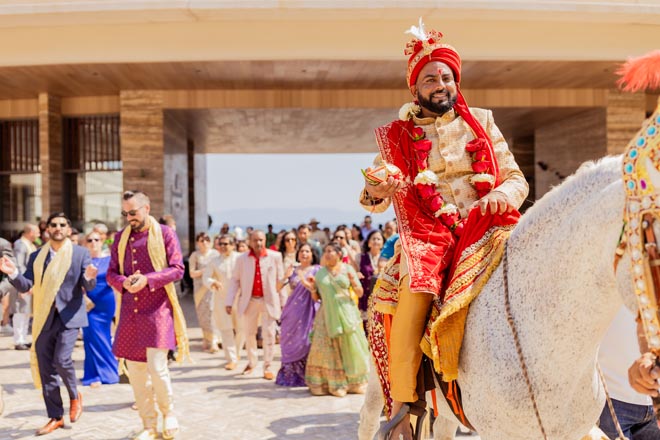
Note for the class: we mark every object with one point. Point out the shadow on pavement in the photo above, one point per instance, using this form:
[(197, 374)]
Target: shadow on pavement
[(317, 426)]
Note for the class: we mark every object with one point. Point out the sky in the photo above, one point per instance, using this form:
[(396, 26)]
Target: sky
[(287, 189)]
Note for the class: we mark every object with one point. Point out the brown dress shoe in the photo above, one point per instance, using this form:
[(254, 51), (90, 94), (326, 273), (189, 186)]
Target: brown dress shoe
[(230, 366), (76, 408), (51, 426), (248, 370)]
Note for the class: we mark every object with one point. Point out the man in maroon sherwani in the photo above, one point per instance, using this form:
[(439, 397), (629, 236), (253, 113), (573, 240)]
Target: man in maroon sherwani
[(146, 326)]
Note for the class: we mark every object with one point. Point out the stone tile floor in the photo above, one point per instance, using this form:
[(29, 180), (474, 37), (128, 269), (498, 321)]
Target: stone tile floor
[(211, 403)]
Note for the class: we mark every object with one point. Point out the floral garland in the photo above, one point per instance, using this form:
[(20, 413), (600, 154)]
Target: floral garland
[(426, 181)]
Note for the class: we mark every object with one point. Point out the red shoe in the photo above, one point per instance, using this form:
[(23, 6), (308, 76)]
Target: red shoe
[(76, 409), (51, 426)]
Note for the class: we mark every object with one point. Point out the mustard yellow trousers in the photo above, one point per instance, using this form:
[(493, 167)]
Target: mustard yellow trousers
[(408, 324)]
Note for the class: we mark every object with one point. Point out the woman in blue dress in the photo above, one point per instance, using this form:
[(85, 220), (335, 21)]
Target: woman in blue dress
[(100, 363)]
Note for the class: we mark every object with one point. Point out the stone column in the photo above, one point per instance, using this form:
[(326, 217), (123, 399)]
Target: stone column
[(523, 150), (142, 144), (50, 154), (624, 116), (199, 215), (561, 147)]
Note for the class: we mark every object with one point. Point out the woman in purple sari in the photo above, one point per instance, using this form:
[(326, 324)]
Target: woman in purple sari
[(297, 319), (369, 260)]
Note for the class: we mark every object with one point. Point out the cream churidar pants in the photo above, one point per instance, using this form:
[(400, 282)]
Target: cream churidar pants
[(148, 379), (225, 326)]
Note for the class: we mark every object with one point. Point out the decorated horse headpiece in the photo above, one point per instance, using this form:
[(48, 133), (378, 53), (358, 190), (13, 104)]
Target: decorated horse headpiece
[(641, 177)]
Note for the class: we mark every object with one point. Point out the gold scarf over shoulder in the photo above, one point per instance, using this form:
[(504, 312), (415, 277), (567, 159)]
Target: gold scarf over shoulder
[(45, 288), (158, 257)]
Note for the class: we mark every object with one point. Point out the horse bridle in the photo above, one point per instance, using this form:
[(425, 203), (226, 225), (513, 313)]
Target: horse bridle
[(650, 260)]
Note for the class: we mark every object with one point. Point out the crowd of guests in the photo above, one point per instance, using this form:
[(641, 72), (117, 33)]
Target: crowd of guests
[(316, 303), (307, 286), (310, 286)]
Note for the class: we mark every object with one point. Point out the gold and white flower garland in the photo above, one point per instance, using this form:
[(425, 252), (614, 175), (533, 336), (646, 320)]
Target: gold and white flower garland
[(426, 181)]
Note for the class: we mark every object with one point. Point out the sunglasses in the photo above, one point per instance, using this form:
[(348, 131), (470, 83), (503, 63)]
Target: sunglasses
[(132, 212), (223, 244), (289, 239), (91, 240), (55, 225)]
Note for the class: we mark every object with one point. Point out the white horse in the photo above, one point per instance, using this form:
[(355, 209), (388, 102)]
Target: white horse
[(564, 293)]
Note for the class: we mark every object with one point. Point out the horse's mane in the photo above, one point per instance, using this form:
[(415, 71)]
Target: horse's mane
[(591, 174)]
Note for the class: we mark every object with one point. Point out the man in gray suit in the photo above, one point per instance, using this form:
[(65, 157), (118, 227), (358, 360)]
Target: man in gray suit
[(21, 303), (58, 273)]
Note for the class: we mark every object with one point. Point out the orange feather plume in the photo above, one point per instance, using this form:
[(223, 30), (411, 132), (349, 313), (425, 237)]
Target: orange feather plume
[(642, 73)]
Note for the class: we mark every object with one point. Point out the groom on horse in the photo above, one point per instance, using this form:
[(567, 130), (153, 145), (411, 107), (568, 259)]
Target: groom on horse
[(448, 169)]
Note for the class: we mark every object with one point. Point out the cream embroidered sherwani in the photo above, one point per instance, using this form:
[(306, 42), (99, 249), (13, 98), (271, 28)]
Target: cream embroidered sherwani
[(448, 159)]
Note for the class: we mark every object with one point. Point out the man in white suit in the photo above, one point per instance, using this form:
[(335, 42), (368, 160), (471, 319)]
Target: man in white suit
[(255, 282)]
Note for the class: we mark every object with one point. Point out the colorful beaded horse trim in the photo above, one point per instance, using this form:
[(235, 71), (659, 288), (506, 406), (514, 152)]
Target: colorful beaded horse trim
[(641, 168)]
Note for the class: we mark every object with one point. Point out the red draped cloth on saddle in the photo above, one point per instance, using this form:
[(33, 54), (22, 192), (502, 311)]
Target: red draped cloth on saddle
[(432, 250)]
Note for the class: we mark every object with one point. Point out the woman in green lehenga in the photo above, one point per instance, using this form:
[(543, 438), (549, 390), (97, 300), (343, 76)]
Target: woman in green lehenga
[(338, 361)]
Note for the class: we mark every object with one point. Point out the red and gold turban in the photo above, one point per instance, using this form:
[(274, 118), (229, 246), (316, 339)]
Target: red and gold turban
[(423, 51)]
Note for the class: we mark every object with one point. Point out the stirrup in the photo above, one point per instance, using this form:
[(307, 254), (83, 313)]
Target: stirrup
[(420, 412), (385, 430)]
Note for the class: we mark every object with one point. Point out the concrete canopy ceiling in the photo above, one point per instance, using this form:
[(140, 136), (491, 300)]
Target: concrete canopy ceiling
[(108, 79)]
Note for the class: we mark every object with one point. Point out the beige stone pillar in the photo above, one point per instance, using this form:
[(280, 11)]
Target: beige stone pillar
[(50, 153), (523, 150), (142, 144), (624, 116), (561, 147)]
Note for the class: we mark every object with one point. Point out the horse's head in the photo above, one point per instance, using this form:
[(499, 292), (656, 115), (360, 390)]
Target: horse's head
[(641, 177)]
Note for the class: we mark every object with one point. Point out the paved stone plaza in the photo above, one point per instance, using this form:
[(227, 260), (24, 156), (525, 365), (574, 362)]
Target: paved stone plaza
[(211, 403)]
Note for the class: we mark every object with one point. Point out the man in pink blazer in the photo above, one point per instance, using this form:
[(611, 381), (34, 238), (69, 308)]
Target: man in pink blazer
[(255, 282)]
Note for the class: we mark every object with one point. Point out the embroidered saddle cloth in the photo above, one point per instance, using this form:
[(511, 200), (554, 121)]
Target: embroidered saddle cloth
[(471, 269)]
